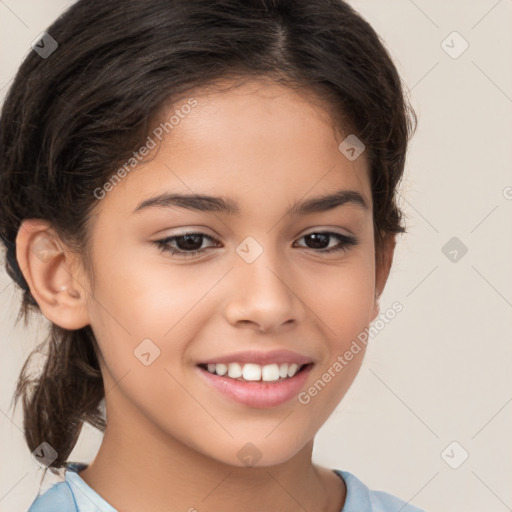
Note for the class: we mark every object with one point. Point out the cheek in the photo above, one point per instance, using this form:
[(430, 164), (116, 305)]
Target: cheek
[(147, 314), (145, 296), (343, 303), (343, 300)]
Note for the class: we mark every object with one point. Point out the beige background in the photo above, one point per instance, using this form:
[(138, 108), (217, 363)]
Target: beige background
[(440, 371)]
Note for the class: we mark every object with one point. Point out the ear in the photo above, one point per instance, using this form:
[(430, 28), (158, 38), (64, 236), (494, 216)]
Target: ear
[(382, 268), (48, 267)]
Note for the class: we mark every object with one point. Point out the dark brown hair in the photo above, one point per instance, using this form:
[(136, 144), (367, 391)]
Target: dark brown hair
[(69, 120)]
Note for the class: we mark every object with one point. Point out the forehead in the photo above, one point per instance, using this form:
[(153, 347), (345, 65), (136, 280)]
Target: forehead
[(258, 142)]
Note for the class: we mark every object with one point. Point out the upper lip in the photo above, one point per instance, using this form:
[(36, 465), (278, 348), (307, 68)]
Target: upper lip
[(261, 358)]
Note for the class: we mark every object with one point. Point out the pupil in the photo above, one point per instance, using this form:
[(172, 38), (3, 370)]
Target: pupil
[(190, 238), (319, 237)]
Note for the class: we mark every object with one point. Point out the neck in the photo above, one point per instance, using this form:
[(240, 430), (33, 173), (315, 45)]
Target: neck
[(175, 475)]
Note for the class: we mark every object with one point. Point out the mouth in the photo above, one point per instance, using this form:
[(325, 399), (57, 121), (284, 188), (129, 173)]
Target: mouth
[(253, 385), (252, 372)]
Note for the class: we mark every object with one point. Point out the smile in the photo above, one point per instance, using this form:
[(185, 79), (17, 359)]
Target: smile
[(255, 391), (254, 372)]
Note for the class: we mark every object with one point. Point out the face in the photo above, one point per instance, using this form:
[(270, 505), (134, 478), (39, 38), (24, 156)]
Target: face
[(261, 279)]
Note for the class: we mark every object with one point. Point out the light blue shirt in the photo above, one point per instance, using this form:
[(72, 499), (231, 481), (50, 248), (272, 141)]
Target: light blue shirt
[(74, 495)]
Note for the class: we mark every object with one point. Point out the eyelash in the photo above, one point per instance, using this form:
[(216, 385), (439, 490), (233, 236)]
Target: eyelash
[(345, 243)]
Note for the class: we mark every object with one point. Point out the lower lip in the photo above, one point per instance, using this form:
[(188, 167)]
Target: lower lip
[(258, 394)]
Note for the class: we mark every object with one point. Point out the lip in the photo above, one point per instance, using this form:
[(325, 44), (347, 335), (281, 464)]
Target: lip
[(261, 358), (257, 394)]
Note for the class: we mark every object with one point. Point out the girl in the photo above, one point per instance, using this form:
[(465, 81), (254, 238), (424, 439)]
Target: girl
[(201, 198)]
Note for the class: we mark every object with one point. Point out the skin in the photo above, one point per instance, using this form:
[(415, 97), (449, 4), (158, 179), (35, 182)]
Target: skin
[(170, 434)]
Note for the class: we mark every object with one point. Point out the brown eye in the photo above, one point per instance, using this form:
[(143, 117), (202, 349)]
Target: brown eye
[(188, 244), (320, 241)]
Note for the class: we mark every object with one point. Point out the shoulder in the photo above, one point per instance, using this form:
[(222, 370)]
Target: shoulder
[(70, 495), (57, 498), (362, 499)]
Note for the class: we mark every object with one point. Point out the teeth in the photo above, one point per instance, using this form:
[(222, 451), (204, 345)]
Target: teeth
[(220, 369), (251, 372), (270, 372), (255, 372), (234, 370), (292, 369)]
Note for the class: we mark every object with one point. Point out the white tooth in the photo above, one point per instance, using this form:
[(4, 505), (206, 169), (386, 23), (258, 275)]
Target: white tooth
[(283, 370), (292, 369), (270, 372), (220, 369), (211, 367), (234, 370), (252, 371)]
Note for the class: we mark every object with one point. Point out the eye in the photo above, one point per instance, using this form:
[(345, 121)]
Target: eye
[(321, 240), (188, 244)]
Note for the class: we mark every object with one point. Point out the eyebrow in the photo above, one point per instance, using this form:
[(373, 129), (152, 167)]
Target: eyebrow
[(205, 203)]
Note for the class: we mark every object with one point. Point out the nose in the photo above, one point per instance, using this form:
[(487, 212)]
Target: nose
[(262, 294)]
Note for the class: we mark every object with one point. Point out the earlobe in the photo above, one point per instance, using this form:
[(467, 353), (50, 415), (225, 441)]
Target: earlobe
[(47, 266)]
